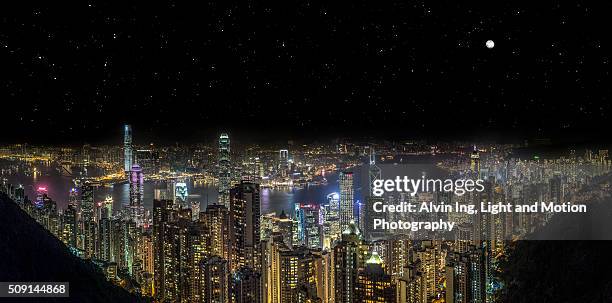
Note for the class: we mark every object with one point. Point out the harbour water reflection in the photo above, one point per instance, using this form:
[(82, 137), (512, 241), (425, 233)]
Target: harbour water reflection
[(272, 200)]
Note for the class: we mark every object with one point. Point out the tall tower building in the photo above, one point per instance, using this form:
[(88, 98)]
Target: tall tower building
[(73, 198), (246, 286), (225, 174), (127, 148), (349, 256), (69, 223), (245, 217), (429, 261), (215, 277), (87, 231), (181, 194), (367, 214), (373, 285), (283, 157), (475, 163), (87, 202), (162, 210), (346, 199), (216, 223), (106, 239), (298, 276), (331, 220), (136, 194), (309, 227), (270, 280), (195, 210), (465, 276), (181, 248)]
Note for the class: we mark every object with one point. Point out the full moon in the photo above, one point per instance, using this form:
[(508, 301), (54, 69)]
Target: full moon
[(490, 44)]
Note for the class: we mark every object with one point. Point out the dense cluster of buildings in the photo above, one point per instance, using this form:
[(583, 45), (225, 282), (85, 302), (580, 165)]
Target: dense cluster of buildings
[(319, 252)]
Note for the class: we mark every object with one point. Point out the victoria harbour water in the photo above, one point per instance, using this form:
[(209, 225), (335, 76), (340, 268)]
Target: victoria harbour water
[(272, 200)]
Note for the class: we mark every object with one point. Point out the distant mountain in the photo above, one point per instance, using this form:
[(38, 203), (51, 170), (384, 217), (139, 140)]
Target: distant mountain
[(28, 252)]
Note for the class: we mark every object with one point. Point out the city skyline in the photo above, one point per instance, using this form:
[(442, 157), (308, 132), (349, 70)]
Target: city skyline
[(348, 151), (164, 244)]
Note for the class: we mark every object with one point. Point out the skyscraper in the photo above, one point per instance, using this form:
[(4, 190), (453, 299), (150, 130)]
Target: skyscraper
[(366, 213), (475, 163), (215, 280), (88, 225), (127, 148), (346, 199), (309, 227), (106, 239), (331, 220), (373, 285), (283, 157), (245, 286), (216, 223), (195, 210), (136, 194), (465, 276), (73, 198), (180, 194), (245, 216), (297, 275), (69, 229), (87, 201), (349, 256), (225, 175), (161, 214)]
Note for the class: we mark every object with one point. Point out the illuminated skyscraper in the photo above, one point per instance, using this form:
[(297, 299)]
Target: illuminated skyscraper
[(465, 276), (41, 196), (309, 227), (127, 148), (87, 201), (331, 220), (107, 210), (475, 162), (349, 256), (270, 280), (225, 174), (283, 157), (146, 254), (245, 286), (73, 198), (216, 223), (245, 217), (346, 199), (136, 194), (69, 229), (195, 210), (197, 249), (366, 213), (181, 248), (333, 200), (395, 252), (215, 280), (148, 159), (161, 214), (180, 194), (88, 223), (429, 262), (106, 239), (373, 285), (272, 225), (297, 275)]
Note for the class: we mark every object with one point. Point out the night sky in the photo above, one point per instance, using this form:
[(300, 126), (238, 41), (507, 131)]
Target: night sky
[(76, 71)]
